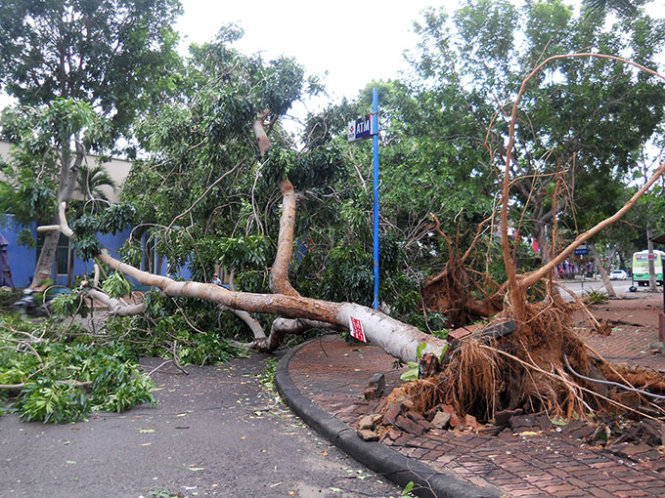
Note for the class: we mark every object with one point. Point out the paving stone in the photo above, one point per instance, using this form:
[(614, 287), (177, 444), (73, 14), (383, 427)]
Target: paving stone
[(599, 493), (503, 460), (441, 419), (391, 414), (368, 435), (407, 424)]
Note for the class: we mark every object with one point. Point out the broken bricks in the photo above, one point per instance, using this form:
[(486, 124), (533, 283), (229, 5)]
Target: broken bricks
[(377, 384), (368, 427)]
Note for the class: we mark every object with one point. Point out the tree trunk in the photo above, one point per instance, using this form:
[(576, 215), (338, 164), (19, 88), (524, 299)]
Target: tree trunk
[(603, 273), (652, 267), (68, 174), (44, 266), (394, 337)]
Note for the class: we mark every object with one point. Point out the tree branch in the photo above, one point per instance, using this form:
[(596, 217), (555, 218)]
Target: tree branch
[(279, 274)]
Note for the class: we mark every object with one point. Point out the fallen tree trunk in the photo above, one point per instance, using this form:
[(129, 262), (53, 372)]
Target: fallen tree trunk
[(396, 338)]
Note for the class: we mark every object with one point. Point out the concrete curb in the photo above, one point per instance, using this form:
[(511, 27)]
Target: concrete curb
[(377, 457)]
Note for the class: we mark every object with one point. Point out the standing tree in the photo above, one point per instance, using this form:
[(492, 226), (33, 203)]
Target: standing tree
[(117, 56), (570, 138)]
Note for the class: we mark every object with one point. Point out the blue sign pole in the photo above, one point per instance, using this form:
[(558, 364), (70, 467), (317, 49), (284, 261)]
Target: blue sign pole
[(375, 143)]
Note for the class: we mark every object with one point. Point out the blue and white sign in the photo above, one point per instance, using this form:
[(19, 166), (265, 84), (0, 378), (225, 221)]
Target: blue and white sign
[(360, 128), (582, 250)]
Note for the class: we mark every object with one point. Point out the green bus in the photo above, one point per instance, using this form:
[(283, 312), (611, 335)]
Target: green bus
[(641, 267)]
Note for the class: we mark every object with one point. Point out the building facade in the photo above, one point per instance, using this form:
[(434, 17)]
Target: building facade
[(67, 265)]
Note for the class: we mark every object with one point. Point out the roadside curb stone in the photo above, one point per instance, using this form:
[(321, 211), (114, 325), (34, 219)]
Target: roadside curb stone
[(377, 457), (331, 376)]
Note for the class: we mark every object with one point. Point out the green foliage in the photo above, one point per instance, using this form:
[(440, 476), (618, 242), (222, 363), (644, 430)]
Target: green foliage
[(348, 275), (407, 489), (595, 114), (441, 334), (69, 304), (132, 252), (164, 331), (267, 377), (90, 181), (47, 401), (64, 376), (412, 372), (116, 285), (204, 349), (116, 217), (7, 298), (104, 51), (595, 297)]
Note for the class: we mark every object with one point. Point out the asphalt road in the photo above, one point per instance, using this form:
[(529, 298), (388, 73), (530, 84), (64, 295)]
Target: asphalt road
[(214, 432), (580, 287)]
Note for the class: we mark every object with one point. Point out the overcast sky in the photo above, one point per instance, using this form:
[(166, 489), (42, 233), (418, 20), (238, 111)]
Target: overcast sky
[(354, 41)]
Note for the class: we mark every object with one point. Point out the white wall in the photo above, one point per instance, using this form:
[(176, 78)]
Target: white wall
[(118, 169)]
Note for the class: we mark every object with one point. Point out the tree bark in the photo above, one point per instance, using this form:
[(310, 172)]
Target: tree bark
[(279, 275), (652, 267), (603, 273), (44, 266), (394, 337), (116, 306), (68, 174)]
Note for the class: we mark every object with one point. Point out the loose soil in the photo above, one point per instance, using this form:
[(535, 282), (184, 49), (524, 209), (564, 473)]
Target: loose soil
[(629, 341)]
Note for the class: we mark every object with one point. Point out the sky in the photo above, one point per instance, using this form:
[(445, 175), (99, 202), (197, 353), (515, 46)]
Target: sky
[(353, 41)]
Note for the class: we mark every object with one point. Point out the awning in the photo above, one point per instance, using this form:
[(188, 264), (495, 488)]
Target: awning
[(659, 240)]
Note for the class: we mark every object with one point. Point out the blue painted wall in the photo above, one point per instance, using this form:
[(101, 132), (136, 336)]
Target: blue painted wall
[(111, 242), (21, 259)]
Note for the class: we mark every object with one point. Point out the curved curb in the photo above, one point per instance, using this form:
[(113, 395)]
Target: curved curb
[(377, 457)]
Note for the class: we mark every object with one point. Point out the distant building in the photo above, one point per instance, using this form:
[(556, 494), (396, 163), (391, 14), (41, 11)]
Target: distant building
[(22, 259)]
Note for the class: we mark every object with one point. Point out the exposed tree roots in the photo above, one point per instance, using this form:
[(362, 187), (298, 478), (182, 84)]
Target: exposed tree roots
[(450, 292), (542, 366)]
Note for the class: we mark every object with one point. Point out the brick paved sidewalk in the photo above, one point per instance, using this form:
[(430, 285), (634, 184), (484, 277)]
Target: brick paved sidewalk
[(520, 462), (634, 323)]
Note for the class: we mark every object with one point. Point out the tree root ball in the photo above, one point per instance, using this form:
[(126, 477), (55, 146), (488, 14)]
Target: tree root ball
[(539, 367)]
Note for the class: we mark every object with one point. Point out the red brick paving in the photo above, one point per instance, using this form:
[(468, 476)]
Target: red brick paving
[(334, 375), (635, 329)]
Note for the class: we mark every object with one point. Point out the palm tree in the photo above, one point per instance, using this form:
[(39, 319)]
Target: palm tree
[(91, 180)]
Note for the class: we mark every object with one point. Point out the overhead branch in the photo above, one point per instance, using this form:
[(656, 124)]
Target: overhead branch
[(260, 132), (62, 226), (279, 274), (204, 194), (282, 327), (116, 306), (536, 275), (437, 228), (518, 286)]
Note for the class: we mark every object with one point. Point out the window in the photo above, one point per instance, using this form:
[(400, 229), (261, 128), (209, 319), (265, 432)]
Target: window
[(61, 253)]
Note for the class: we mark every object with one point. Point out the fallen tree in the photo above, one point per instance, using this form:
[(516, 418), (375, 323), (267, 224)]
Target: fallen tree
[(299, 314), (542, 364), (531, 367)]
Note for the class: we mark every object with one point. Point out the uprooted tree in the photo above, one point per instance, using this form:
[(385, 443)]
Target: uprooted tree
[(535, 366), (205, 202)]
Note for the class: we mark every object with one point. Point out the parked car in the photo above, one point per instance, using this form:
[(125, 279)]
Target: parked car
[(618, 275)]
